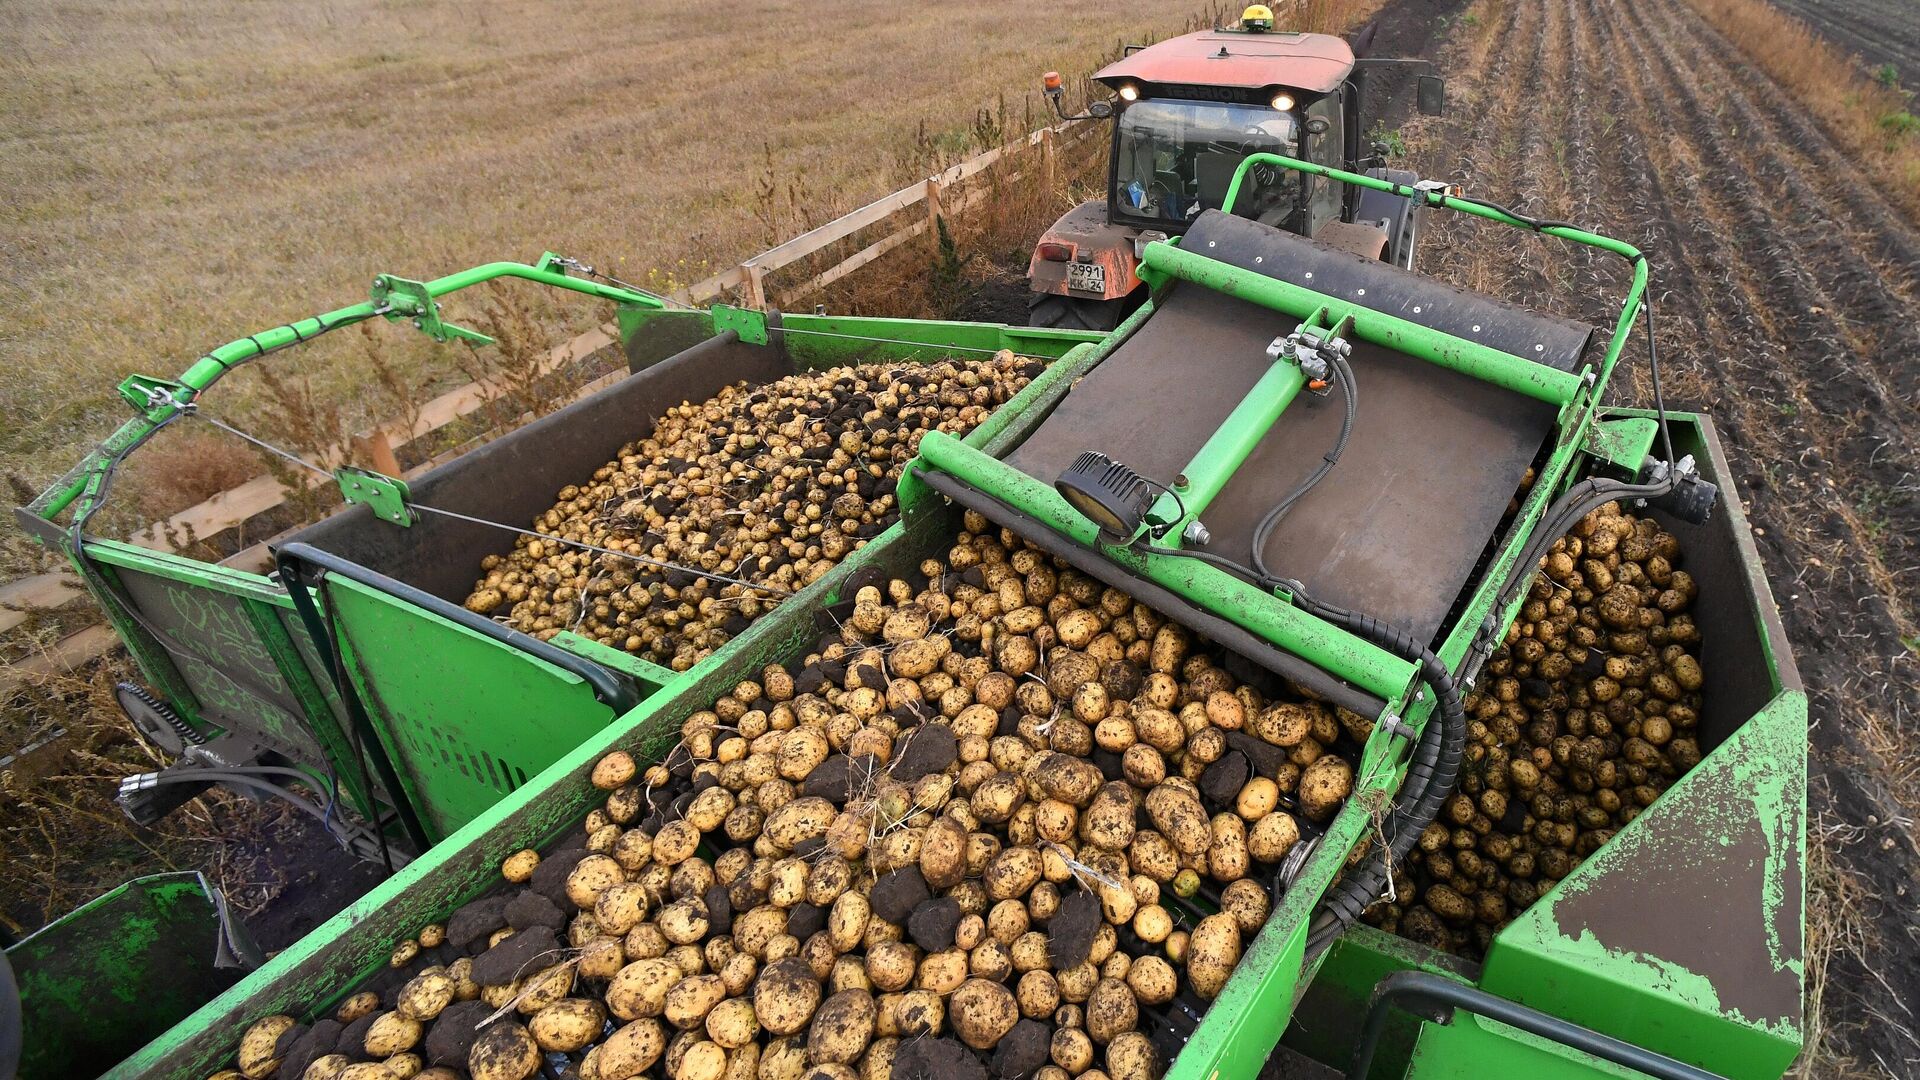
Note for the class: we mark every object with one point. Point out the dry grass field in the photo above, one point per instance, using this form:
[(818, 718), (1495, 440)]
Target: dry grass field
[(178, 174)]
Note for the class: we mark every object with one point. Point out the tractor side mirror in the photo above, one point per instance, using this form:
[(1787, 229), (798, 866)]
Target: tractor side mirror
[(1432, 95), (1099, 110)]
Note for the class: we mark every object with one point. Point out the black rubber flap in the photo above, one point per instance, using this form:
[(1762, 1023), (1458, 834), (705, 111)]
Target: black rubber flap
[(1415, 297), (1395, 530)]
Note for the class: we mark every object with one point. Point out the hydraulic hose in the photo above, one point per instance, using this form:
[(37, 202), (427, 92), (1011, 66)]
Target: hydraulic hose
[(1350, 394), (1431, 775)]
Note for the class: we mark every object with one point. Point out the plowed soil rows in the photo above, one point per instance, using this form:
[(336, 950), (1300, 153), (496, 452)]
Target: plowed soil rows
[(1881, 31), (1786, 299)]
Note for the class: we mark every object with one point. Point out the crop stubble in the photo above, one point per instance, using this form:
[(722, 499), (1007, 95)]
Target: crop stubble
[(1786, 295)]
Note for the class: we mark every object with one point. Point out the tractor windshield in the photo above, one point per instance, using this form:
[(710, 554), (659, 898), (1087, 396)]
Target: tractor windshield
[(1174, 159)]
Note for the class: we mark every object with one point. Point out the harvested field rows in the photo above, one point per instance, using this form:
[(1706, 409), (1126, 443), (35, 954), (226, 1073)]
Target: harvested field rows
[(1786, 309), (1881, 31)]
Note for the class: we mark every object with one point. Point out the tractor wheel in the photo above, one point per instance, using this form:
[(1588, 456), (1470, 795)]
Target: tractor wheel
[(1074, 313)]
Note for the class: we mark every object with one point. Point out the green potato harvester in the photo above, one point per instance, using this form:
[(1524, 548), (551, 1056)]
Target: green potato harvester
[(1339, 471)]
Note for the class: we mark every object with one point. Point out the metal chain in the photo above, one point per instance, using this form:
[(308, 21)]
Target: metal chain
[(190, 409)]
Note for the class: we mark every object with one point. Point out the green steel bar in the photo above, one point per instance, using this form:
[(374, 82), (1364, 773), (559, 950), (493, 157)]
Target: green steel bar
[(1227, 448), (1334, 650), (208, 369), (1467, 357), (1629, 306)]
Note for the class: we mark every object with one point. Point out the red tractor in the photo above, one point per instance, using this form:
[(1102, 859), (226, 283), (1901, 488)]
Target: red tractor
[(1186, 112)]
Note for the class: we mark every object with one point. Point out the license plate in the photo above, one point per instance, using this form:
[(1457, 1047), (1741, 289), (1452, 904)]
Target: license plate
[(1087, 277)]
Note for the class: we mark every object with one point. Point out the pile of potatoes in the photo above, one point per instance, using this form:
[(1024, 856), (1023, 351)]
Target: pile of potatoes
[(1002, 821), (1588, 712), (772, 484)]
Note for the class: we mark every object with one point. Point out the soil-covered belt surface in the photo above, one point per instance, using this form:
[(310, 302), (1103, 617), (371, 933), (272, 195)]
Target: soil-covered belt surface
[(1786, 310)]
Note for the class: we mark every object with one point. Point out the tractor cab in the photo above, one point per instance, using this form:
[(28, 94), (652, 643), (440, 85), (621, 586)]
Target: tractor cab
[(1186, 113)]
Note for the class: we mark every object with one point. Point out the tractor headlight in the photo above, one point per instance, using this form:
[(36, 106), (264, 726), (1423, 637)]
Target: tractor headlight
[(1283, 102), (1129, 92)]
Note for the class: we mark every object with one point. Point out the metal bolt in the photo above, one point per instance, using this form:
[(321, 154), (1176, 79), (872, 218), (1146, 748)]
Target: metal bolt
[(1195, 534)]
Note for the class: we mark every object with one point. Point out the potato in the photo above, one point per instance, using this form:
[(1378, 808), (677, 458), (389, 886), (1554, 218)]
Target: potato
[(943, 972), (731, 1024), (690, 999), (1177, 813), (683, 921), (568, 1025), (639, 990), (613, 770), (504, 1051), (630, 1051), (1072, 1050), (982, 1012), (425, 995), (391, 1034), (1153, 855), (784, 1059), (675, 843), (798, 821), (1110, 1011), (1247, 902), (841, 1029), (367, 1070), (1153, 980), (590, 877), (328, 1067), (1227, 853), (1324, 784), (785, 996), (519, 866), (544, 988), (1211, 953), (1037, 994), (701, 1061), (1130, 1056), (1012, 873), (258, 1046), (1273, 836), (1109, 820), (361, 1004)]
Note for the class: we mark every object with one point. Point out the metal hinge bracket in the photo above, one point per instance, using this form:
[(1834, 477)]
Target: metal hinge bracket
[(751, 325), (402, 298), (387, 497)]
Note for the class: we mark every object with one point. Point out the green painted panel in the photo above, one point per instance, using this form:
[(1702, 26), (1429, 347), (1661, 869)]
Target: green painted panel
[(1475, 1048), (465, 719), (116, 972), (1328, 1018), (1685, 933), (216, 646)]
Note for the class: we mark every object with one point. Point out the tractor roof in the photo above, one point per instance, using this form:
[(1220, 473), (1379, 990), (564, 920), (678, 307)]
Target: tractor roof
[(1315, 63)]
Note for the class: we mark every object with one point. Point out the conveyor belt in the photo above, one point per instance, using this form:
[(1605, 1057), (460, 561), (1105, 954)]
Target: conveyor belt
[(1394, 531)]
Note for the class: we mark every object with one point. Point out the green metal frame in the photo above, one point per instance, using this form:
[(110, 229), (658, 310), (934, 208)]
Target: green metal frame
[(1266, 992), (234, 646)]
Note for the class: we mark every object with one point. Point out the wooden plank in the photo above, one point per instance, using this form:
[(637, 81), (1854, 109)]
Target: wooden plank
[(62, 656), (53, 590), (878, 248)]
